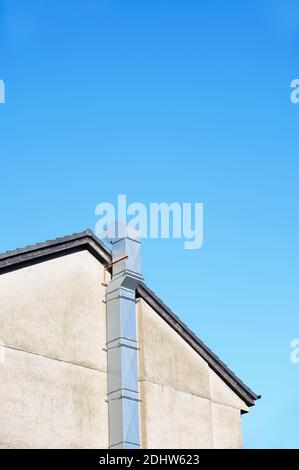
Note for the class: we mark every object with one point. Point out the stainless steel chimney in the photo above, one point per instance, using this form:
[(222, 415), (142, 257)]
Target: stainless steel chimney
[(123, 396)]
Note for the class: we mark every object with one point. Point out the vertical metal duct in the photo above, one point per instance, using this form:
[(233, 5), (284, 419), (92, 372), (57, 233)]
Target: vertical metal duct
[(123, 401)]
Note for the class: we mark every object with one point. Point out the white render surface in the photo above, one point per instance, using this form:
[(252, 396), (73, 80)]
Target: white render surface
[(53, 367), (184, 404)]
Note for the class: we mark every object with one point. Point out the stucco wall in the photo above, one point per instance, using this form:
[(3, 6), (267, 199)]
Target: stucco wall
[(53, 381), (184, 404)]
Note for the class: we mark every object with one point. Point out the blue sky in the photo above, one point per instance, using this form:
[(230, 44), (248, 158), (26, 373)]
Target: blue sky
[(169, 101)]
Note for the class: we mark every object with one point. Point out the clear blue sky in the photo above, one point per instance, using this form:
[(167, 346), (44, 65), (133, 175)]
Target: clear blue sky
[(178, 100)]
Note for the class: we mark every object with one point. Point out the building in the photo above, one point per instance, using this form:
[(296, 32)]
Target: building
[(54, 380)]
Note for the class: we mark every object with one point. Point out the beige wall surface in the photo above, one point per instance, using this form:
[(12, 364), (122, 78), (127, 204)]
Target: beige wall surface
[(53, 380), (47, 403), (184, 404), (55, 308), (173, 419), (226, 427)]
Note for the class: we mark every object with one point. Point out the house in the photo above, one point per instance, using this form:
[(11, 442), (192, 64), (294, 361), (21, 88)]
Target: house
[(70, 348)]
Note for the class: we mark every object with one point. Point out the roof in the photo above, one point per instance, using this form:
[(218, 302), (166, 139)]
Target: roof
[(21, 257)]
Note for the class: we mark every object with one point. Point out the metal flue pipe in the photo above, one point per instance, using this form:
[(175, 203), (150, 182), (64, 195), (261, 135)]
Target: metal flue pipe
[(123, 395)]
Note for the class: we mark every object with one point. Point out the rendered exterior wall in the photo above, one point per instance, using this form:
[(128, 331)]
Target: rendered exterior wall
[(184, 404), (53, 382)]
